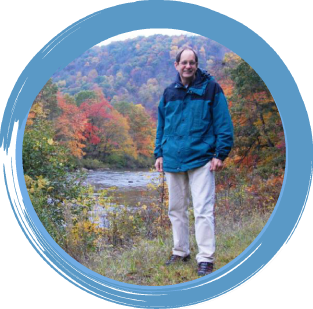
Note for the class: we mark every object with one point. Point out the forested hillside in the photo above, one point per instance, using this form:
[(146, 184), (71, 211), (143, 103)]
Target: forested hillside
[(102, 106), (135, 70)]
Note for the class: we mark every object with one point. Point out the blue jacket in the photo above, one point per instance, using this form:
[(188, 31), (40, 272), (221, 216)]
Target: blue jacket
[(194, 124)]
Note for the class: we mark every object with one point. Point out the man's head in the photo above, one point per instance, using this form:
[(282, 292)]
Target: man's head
[(186, 64), (178, 56)]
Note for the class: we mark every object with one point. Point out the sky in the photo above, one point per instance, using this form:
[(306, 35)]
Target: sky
[(144, 32)]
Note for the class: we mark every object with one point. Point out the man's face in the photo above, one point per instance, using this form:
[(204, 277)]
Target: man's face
[(187, 66)]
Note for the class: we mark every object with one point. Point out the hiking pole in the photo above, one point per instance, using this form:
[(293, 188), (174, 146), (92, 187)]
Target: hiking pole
[(162, 197), (162, 188)]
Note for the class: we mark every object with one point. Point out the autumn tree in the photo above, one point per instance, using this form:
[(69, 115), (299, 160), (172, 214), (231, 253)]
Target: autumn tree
[(142, 127), (71, 125), (150, 93), (45, 161), (83, 96), (97, 110), (48, 98), (115, 140), (258, 126)]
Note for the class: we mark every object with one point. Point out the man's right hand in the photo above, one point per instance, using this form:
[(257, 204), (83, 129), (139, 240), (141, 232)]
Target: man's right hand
[(159, 164)]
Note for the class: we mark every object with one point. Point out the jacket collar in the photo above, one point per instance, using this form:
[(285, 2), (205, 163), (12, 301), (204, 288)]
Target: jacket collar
[(198, 85)]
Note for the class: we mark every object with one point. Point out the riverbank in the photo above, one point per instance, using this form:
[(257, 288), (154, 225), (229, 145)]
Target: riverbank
[(131, 164), (143, 262), (128, 189)]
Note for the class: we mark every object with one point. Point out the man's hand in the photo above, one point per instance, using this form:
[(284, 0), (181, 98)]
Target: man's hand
[(216, 164), (159, 164)]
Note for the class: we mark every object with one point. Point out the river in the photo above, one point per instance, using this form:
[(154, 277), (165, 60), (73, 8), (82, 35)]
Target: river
[(130, 188)]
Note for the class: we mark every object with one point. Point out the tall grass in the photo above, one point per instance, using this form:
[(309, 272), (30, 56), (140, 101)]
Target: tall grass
[(143, 262), (141, 258), (135, 244)]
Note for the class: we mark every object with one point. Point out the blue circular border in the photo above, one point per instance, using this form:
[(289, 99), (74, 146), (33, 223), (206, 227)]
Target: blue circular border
[(87, 32)]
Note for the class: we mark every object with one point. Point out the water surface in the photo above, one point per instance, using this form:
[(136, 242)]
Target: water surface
[(130, 189)]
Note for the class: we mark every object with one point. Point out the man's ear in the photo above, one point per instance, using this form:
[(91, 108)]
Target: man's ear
[(175, 64)]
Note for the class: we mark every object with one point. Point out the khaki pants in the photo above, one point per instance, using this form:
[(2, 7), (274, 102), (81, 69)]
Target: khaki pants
[(202, 184)]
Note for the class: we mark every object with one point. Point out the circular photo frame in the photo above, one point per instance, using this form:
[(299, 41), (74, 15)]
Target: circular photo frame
[(82, 35)]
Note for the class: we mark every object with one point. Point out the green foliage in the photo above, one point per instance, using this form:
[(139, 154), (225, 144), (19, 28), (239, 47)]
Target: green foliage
[(49, 210), (48, 97), (46, 164), (123, 107), (128, 223), (116, 160), (129, 162), (42, 156), (82, 96), (246, 80), (89, 164), (141, 162)]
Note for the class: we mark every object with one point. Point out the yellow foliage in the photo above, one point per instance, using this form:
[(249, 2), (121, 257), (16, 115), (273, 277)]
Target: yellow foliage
[(50, 141), (36, 111), (37, 186), (29, 181), (231, 58)]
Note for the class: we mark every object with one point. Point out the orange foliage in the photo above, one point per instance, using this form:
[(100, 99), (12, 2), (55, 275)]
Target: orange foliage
[(249, 161), (31, 116), (71, 126), (227, 86), (115, 137), (143, 131), (260, 97), (264, 193)]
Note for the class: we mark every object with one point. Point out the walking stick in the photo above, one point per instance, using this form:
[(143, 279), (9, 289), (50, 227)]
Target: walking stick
[(162, 197)]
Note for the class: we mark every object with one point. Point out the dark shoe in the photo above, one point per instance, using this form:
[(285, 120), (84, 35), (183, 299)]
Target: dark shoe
[(176, 258), (205, 268)]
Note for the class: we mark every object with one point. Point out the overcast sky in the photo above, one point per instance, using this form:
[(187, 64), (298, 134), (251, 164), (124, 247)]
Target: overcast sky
[(144, 32)]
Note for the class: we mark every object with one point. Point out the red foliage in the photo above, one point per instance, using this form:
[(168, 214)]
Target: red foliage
[(97, 111), (71, 126)]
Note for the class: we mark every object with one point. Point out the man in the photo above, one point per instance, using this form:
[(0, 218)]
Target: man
[(194, 136)]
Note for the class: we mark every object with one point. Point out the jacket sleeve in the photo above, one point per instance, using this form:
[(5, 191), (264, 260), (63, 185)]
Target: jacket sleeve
[(222, 125), (160, 129)]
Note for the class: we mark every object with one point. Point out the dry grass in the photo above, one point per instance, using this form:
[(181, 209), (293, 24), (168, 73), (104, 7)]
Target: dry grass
[(143, 263)]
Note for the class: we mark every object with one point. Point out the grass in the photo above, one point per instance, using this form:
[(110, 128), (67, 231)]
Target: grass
[(143, 263)]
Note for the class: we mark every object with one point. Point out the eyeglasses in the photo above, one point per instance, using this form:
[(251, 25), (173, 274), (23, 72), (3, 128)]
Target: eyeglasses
[(191, 63)]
